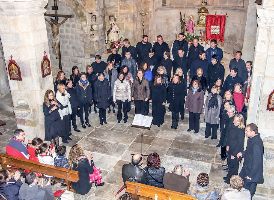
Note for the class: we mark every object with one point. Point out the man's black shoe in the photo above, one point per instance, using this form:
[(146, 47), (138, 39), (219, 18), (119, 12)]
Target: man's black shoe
[(84, 126), (88, 124), (77, 130)]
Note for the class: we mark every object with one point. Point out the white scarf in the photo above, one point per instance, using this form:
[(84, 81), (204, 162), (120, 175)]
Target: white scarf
[(64, 100)]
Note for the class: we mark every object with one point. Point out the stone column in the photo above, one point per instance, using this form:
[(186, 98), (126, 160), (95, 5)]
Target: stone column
[(262, 85), (23, 34), (250, 31)]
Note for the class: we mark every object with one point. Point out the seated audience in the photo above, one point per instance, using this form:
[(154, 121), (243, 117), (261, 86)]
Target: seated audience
[(16, 146), (201, 190), (133, 171), (236, 190), (46, 155), (9, 185), (177, 180), (154, 173), (32, 148), (31, 190), (84, 165), (60, 160)]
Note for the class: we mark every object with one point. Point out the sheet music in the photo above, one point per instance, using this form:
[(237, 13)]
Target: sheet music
[(142, 120)]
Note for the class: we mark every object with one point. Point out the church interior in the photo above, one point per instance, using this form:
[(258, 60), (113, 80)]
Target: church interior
[(60, 34)]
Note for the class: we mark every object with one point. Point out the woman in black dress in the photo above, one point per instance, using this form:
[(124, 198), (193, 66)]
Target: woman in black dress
[(102, 96), (234, 145), (53, 125), (183, 81), (158, 96)]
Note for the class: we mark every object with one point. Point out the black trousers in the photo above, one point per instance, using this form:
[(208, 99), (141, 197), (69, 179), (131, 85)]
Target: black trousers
[(111, 103), (73, 117), (233, 166), (102, 115), (251, 186), (122, 106), (66, 127), (158, 113), (182, 109), (141, 107), (223, 152), (84, 109), (194, 121), (211, 130), (175, 119)]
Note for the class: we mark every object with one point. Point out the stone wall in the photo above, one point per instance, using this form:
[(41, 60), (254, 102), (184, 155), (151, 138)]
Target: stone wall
[(4, 84), (165, 19), (78, 44)]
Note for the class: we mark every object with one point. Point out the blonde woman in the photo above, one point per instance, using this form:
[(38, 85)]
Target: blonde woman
[(234, 145), (53, 124), (83, 163), (161, 71)]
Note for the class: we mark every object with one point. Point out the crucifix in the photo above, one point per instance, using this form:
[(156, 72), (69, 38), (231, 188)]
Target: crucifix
[(55, 25)]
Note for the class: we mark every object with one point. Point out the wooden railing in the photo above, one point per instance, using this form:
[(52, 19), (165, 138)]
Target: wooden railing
[(68, 175), (141, 191)]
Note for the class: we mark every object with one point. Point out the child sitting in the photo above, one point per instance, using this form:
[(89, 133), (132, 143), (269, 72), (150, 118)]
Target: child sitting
[(45, 154), (32, 147), (239, 98), (60, 160)]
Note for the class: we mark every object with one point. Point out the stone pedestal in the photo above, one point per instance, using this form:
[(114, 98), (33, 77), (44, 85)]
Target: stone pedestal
[(23, 34), (262, 86)]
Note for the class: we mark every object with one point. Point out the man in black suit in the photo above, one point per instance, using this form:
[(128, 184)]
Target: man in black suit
[(132, 171), (252, 171)]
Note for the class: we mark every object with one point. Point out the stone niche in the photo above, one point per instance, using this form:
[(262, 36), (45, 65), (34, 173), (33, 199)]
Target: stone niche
[(76, 40), (168, 16)]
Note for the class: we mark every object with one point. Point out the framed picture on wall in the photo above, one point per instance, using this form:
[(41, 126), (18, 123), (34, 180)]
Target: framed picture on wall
[(45, 66), (14, 70)]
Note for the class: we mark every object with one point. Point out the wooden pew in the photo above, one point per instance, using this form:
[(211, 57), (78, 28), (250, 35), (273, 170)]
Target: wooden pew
[(58, 172), (142, 191)]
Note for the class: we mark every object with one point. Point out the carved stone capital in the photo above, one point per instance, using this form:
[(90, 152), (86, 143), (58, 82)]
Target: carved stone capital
[(22, 7), (265, 16)]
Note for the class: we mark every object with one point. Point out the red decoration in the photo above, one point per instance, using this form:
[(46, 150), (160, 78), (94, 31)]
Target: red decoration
[(215, 27), (45, 66), (14, 70)]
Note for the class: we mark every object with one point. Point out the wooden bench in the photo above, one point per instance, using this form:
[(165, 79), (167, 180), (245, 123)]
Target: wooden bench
[(58, 172), (141, 191)]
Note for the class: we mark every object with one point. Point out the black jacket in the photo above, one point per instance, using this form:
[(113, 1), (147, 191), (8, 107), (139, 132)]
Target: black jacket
[(230, 82), (84, 95), (240, 65), (179, 45), (99, 67), (158, 93), (133, 173), (142, 50), (197, 64), (168, 64), (202, 81), (193, 53), (102, 93), (74, 102), (159, 50), (75, 79), (235, 140), (116, 57), (55, 84), (132, 51), (84, 168), (253, 160), (176, 96), (154, 176), (215, 72), (182, 63)]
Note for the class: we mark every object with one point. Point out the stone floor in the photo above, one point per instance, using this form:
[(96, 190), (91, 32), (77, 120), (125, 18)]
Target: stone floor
[(113, 144)]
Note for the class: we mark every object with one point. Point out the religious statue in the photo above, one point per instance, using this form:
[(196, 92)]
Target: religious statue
[(183, 23), (14, 70), (190, 25), (55, 35), (45, 66), (270, 102), (113, 31)]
